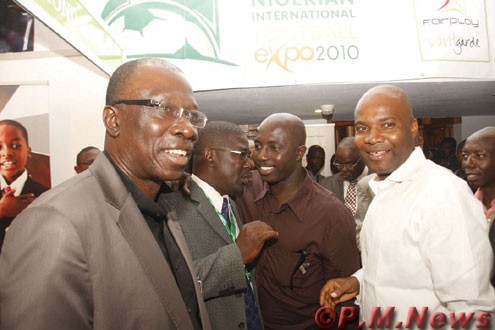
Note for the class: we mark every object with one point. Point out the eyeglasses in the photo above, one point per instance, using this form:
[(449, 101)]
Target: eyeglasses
[(196, 118), (243, 154), (348, 165)]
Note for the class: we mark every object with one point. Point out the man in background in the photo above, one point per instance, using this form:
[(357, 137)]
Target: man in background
[(86, 157), (249, 167), (103, 250), (478, 163), (448, 156), (315, 160), (18, 188), (222, 248), (351, 170), (424, 238), (316, 238)]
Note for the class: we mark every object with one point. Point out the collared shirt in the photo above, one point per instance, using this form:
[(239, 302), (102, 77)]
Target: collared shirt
[(17, 184), (424, 244), (316, 242), (216, 200), (155, 214), (489, 212)]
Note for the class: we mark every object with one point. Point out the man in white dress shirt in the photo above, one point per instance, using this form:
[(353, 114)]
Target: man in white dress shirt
[(424, 239)]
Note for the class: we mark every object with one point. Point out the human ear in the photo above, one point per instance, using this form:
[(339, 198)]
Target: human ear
[(414, 129), (111, 120), (301, 150), (210, 156)]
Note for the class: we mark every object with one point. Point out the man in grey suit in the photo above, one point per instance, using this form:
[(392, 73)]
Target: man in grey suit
[(221, 246), (102, 250), (345, 183)]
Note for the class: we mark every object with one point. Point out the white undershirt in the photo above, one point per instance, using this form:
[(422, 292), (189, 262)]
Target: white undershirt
[(17, 184)]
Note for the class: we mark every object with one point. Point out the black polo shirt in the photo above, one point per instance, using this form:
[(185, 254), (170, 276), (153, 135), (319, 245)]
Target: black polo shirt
[(155, 213)]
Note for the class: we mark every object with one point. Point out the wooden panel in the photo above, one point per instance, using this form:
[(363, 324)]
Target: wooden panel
[(38, 167)]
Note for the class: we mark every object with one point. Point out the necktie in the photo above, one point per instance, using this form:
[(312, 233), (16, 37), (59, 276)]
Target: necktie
[(252, 316), (350, 197), (225, 211)]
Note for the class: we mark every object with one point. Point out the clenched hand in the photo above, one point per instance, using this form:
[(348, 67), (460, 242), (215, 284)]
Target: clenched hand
[(251, 238)]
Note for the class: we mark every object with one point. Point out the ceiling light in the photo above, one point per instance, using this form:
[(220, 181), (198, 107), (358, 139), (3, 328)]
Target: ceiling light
[(326, 111)]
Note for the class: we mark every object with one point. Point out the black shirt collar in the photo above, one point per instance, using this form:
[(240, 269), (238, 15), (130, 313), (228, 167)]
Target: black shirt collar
[(158, 208)]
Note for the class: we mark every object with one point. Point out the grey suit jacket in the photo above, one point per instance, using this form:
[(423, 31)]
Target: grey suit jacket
[(83, 257), (217, 259), (335, 184), (364, 195)]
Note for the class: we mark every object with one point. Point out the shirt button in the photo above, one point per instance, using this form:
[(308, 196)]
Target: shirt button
[(241, 325), (189, 310)]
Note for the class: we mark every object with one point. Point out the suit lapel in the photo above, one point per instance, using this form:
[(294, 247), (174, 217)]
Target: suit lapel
[(146, 249), (341, 188), (208, 212), (176, 231)]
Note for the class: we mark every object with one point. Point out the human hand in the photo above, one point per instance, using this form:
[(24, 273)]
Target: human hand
[(339, 290), (251, 238), (11, 205)]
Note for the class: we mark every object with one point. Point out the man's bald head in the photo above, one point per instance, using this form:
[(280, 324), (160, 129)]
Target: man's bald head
[(288, 123)]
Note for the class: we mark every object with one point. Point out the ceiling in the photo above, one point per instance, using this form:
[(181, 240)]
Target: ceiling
[(430, 99)]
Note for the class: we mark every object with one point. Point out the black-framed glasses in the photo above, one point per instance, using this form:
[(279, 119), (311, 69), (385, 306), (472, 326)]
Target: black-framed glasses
[(244, 155), (196, 118), (348, 165)]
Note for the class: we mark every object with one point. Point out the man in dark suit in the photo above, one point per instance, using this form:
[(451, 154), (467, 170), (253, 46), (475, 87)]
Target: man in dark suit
[(221, 246), (18, 188), (102, 250)]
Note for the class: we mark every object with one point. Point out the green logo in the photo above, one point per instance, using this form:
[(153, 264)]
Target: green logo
[(186, 29)]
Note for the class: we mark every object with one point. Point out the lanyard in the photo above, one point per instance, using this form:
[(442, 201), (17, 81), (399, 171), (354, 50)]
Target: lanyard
[(230, 229)]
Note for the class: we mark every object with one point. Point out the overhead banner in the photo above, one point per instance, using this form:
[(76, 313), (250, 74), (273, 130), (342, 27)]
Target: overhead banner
[(79, 27), (228, 44)]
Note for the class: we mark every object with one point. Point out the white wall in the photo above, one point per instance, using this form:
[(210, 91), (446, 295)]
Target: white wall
[(323, 135), (73, 97), (471, 124)]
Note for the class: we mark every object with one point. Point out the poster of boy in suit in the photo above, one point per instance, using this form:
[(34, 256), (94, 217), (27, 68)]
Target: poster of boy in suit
[(18, 187)]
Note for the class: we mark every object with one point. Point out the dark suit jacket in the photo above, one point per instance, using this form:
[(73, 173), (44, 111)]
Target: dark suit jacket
[(217, 259), (31, 186), (83, 257)]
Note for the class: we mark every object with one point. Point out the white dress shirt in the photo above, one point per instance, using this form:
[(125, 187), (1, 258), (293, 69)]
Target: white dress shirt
[(424, 244), (17, 184), (215, 199)]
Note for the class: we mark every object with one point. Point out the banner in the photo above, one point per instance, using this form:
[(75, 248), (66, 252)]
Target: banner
[(248, 43), (79, 27)]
